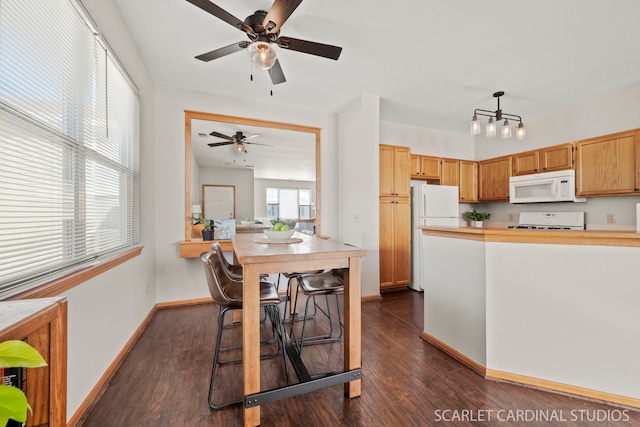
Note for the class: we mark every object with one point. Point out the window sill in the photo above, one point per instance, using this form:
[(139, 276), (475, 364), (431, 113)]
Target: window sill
[(58, 286)]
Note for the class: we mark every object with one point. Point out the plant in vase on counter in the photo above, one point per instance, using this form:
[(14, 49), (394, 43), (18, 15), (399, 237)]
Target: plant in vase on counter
[(475, 218)]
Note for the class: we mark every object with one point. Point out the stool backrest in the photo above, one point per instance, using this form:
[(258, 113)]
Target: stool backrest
[(216, 278), (215, 246)]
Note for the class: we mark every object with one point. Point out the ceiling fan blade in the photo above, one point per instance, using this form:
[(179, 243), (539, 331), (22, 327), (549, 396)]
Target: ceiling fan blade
[(276, 74), (223, 51), (219, 135), (218, 12), (278, 14), (313, 48), (251, 136), (258, 143), (220, 144)]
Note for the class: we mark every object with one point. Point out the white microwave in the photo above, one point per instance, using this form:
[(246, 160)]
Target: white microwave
[(559, 186)]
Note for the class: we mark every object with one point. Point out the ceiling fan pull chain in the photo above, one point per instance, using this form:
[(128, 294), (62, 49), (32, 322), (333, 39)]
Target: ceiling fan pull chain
[(251, 68), (271, 89)]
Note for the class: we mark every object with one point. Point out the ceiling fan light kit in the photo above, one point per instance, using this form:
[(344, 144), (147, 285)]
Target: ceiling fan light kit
[(505, 131), (263, 29)]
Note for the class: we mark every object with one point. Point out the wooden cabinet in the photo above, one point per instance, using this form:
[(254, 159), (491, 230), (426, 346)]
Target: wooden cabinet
[(395, 243), (394, 171), (548, 159), (450, 172), (43, 322), (608, 165), (493, 176), (425, 167), (395, 217), (464, 175), (468, 181)]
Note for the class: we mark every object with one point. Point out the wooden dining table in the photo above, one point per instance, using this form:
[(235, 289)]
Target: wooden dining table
[(259, 257)]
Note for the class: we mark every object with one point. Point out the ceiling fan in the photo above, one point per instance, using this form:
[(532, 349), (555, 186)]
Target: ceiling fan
[(238, 138), (263, 30)]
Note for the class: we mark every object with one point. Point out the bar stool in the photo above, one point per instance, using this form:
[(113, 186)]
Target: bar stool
[(227, 293), (327, 283)]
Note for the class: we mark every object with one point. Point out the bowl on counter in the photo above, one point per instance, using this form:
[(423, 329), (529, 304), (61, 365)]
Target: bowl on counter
[(279, 235), (247, 222)]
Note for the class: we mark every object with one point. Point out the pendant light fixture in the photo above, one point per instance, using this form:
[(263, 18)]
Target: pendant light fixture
[(505, 131)]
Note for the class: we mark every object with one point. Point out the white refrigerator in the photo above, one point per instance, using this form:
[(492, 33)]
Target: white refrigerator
[(430, 205)]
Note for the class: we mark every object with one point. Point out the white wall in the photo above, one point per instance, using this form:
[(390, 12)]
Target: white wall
[(178, 278), (430, 142), (565, 313), (105, 311), (358, 172)]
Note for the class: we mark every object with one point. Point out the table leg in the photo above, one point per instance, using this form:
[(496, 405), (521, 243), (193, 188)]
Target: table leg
[(251, 339), (352, 324)]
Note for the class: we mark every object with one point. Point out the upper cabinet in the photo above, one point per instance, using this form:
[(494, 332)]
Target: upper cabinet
[(557, 157), (425, 167), (493, 176), (464, 175), (468, 181), (608, 165), (394, 171)]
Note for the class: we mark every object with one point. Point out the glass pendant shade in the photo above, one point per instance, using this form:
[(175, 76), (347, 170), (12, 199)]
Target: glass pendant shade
[(475, 125), (506, 130), (262, 54), (521, 132), (240, 148), (491, 128)]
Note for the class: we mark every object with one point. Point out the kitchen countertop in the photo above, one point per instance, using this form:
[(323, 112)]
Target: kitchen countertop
[(518, 235)]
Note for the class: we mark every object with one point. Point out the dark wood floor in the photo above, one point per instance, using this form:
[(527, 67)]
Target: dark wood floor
[(406, 381)]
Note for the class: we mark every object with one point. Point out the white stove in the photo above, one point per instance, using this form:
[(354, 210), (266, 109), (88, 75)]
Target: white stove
[(551, 221)]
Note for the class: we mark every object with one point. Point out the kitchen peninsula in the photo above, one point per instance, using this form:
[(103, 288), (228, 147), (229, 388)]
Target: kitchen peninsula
[(552, 309)]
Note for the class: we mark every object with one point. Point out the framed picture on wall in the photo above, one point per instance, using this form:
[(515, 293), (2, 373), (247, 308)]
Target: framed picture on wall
[(219, 201)]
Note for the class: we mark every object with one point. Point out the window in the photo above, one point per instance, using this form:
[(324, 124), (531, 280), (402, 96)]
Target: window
[(69, 144), (289, 203)]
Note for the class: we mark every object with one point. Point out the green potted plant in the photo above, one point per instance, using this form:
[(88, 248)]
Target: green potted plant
[(207, 230), (475, 218), (13, 402)]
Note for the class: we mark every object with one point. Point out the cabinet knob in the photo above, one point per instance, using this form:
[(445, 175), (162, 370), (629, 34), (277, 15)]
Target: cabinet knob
[(636, 189)]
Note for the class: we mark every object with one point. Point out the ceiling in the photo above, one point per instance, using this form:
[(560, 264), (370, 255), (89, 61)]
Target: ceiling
[(431, 62)]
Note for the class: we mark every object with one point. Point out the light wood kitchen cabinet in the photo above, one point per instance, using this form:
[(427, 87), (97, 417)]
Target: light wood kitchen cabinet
[(394, 171), (468, 188), (395, 243), (608, 165), (395, 217), (425, 167), (547, 159), (464, 175), (450, 172), (493, 176)]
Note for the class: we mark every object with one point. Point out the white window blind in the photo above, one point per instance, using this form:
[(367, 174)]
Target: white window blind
[(69, 144)]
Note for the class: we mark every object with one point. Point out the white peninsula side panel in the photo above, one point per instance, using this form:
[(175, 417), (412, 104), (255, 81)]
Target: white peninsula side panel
[(453, 276), (565, 313)]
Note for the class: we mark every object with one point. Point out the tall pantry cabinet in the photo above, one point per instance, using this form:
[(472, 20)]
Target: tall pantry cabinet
[(395, 217)]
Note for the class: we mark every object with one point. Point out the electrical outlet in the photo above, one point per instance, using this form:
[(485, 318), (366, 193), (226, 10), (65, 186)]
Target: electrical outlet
[(611, 218), (148, 288), (511, 217)]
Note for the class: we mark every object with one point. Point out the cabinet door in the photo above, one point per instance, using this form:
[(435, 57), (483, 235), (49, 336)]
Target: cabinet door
[(415, 166), (402, 242), (386, 239), (468, 181), (386, 170), (558, 157), (450, 172), (608, 165), (401, 176), (526, 162), (493, 175), (430, 167)]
